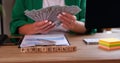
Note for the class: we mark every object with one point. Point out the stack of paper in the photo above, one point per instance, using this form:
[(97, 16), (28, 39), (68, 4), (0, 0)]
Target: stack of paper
[(44, 40), (109, 43)]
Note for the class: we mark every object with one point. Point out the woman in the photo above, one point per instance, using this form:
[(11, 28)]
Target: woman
[(22, 25)]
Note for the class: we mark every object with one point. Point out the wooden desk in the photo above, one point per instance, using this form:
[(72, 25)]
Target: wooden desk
[(85, 53)]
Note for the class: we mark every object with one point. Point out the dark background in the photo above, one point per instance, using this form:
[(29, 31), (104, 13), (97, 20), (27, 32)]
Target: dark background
[(102, 14)]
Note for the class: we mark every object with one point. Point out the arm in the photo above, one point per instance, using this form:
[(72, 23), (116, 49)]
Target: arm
[(18, 17), (81, 15), (69, 22), (23, 25), (73, 24)]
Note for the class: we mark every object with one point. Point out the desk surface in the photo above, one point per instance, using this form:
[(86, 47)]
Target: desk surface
[(85, 53)]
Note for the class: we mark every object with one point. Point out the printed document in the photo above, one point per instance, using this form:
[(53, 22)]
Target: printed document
[(44, 40)]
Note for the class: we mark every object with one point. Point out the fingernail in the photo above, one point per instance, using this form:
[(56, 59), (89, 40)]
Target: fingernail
[(53, 24), (75, 17), (46, 21), (59, 15), (63, 13), (50, 22), (61, 24)]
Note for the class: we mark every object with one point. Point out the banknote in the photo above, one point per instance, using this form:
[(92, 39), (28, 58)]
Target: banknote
[(51, 13)]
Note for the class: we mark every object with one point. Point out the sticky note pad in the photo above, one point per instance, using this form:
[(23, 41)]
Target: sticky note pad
[(109, 48), (110, 41)]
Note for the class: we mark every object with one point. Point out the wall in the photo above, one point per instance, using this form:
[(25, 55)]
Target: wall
[(7, 8)]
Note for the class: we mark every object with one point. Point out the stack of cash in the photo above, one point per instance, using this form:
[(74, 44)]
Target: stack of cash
[(51, 13)]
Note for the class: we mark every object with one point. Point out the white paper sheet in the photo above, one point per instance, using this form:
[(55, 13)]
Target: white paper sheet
[(44, 39)]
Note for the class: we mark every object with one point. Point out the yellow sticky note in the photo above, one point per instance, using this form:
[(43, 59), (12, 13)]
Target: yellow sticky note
[(110, 40)]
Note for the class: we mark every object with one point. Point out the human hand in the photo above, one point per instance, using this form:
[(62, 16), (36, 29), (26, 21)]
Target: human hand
[(68, 20), (37, 27)]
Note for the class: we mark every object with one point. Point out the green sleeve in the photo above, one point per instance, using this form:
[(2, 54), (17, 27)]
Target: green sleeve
[(81, 4), (81, 16), (18, 17)]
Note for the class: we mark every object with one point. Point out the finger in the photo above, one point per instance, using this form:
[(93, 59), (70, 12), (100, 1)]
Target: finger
[(72, 17), (47, 29), (66, 27), (38, 26), (46, 25), (40, 23), (64, 19)]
